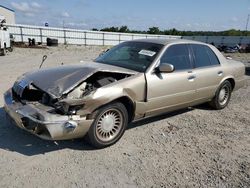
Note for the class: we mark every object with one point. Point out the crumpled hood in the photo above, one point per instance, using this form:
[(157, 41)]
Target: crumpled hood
[(60, 80)]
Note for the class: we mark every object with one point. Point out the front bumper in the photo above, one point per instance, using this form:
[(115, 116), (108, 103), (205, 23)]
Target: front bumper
[(39, 120)]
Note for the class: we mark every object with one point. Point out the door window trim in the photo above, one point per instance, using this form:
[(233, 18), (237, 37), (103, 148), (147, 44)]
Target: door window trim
[(190, 58), (194, 58)]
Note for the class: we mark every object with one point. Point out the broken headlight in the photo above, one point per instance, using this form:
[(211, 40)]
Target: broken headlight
[(68, 109)]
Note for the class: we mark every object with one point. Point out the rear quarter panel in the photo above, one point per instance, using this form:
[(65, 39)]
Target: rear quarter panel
[(232, 69), (236, 70)]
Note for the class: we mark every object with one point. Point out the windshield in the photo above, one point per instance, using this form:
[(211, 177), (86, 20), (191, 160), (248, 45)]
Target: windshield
[(136, 56)]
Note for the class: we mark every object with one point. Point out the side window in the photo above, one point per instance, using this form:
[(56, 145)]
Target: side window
[(213, 58), (177, 55), (204, 56), (201, 56)]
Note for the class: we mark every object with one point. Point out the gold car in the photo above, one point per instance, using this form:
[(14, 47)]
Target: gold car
[(131, 81)]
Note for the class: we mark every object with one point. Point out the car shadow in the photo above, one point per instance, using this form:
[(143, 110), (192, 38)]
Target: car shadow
[(158, 118), (15, 139)]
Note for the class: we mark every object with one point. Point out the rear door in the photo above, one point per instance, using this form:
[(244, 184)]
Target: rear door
[(170, 91), (207, 69)]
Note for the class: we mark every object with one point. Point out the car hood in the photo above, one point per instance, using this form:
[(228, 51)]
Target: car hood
[(61, 80)]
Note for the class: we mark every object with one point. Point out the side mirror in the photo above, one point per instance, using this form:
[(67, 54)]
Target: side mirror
[(165, 67)]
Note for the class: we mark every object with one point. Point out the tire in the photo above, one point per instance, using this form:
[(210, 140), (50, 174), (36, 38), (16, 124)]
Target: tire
[(109, 125), (222, 96), (2, 52), (10, 49)]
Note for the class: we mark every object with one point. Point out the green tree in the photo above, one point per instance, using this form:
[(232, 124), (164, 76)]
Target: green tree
[(110, 29), (124, 29), (154, 30)]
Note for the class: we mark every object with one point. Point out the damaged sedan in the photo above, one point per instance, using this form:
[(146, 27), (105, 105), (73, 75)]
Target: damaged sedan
[(133, 80)]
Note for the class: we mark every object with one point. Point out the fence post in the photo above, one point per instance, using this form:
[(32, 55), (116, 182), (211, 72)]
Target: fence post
[(41, 35), (85, 38), (222, 40), (21, 31), (119, 38), (103, 39), (64, 36), (240, 40)]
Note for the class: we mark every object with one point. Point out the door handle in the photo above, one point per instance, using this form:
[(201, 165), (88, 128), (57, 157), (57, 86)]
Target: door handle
[(191, 78), (220, 73)]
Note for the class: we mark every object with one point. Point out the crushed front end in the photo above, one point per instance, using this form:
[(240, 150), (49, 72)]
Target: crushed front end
[(30, 110), (52, 117)]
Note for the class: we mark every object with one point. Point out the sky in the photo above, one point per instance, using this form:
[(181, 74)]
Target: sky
[(205, 15)]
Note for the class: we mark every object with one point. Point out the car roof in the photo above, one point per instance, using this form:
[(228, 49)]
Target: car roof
[(168, 41)]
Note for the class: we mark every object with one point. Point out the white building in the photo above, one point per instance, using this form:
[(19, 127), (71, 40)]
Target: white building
[(8, 14)]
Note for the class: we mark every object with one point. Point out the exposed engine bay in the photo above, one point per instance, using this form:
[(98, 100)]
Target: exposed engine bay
[(34, 95), (96, 81)]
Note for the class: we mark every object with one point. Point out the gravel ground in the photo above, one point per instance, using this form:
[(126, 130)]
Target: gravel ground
[(194, 147)]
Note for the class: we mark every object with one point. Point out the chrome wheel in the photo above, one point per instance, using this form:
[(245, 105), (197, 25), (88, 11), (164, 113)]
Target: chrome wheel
[(224, 95), (109, 125)]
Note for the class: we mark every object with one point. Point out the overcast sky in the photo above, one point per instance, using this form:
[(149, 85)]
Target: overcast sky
[(136, 14)]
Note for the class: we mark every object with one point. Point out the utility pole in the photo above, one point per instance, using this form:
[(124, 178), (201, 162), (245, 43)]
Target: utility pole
[(248, 16)]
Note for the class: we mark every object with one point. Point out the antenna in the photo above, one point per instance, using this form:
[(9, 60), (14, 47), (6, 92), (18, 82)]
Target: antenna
[(44, 58), (248, 16)]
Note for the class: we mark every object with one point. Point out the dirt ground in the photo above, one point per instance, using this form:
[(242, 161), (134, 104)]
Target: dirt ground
[(195, 147)]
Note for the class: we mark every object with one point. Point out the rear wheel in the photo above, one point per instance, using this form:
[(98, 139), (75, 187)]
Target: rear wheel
[(109, 125), (222, 96)]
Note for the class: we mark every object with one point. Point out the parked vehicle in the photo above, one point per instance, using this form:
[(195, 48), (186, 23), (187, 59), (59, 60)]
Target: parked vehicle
[(222, 48), (247, 49), (231, 49), (131, 81), (5, 41)]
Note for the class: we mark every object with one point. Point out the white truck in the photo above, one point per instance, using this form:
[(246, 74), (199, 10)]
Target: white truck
[(5, 41)]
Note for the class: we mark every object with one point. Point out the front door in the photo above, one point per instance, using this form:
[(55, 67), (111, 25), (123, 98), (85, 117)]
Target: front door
[(170, 91)]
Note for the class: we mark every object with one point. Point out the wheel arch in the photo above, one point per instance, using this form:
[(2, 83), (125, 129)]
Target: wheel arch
[(127, 102), (130, 106), (230, 79)]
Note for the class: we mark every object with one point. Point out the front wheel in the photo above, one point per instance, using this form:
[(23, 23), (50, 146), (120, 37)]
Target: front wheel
[(109, 125), (3, 52), (222, 96), (10, 49)]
